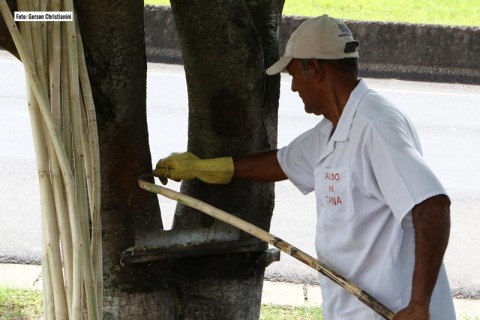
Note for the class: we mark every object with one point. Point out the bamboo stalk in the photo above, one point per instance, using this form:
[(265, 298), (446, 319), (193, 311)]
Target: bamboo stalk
[(54, 291), (54, 257), (45, 205), (33, 79), (66, 117), (43, 5), (57, 179), (38, 46), (50, 230), (75, 168), (47, 283), (90, 286), (63, 161), (263, 235), (96, 241), (48, 306), (67, 140), (93, 170)]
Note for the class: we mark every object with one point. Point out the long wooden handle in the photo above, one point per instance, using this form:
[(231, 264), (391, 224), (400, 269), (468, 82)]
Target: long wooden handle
[(261, 234)]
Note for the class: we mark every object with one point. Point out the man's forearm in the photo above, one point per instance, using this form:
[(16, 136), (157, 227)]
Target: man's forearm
[(260, 167), (431, 220)]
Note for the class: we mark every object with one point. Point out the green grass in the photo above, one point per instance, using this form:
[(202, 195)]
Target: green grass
[(446, 12), (20, 303), (271, 312), (27, 305)]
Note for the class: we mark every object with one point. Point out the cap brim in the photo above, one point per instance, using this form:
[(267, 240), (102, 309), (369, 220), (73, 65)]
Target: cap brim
[(279, 66)]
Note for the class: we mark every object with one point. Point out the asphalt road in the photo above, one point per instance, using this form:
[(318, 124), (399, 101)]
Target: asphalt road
[(446, 115)]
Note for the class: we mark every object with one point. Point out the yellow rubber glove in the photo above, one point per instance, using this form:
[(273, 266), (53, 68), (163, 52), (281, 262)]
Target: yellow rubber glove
[(185, 166)]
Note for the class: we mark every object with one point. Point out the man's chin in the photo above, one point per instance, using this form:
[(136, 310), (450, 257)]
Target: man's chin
[(308, 110)]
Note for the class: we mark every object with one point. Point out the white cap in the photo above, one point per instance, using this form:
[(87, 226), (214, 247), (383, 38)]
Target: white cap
[(318, 38)]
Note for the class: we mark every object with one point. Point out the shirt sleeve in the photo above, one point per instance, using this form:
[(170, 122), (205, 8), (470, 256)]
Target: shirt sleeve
[(296, 161), (399, 170)]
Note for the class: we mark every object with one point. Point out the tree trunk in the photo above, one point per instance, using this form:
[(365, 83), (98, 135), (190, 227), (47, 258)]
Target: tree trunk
[(226, 47), (6, 41), (115, 51)]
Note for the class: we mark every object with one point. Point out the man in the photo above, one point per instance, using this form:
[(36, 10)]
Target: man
[(383, 218)]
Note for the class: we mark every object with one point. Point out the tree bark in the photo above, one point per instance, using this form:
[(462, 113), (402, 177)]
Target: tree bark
[(6, 41), (226, 47), (113, 36)]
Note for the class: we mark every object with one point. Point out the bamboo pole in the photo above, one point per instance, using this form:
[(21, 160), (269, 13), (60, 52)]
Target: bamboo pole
[(34, 116), (81, 183), (48, 305), (51, 252), (63, 161), (45, 204), (96, 232), (70, 182), (263, 235), (50, 232), (38, 45), (93, 170), (66, 117), (57, 180), (43, 6)]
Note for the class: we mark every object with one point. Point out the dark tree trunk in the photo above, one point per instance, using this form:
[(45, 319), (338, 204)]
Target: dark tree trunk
[(6, 41), (226, 47), (113, 35)]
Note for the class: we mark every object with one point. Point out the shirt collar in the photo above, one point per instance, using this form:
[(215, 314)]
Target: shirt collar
[(348, 113)]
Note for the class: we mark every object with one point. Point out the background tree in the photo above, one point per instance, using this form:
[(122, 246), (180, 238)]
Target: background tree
[(115, 51), (233, 110), (226, 47), (6, 41)]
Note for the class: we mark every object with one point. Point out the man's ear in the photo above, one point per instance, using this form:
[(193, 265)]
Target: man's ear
[(318, 69)]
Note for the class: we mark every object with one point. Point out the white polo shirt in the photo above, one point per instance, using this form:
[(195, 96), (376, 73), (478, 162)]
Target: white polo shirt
[(367, 178)]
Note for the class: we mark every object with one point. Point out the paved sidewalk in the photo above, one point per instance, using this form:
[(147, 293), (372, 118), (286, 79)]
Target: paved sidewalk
[(276, 293)]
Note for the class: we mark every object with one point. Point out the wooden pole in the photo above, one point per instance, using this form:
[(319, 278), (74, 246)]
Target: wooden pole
[(94, 182), (80, 178), (39, 151), (92, 165), (55, 62), (263, 235)]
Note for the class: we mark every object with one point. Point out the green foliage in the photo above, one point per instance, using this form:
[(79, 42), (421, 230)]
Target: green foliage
[(446, 12), (20, 303)]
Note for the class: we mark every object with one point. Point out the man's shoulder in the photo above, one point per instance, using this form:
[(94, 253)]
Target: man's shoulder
[(376, 108)]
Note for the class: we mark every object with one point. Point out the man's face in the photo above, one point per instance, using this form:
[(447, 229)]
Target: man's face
[(303, 82)]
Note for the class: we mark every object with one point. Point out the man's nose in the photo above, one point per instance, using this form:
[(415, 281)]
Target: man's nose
[(294, 87)]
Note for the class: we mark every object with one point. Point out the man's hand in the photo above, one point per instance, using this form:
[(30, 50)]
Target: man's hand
[(177, 166), (415, 312), (185, 166)]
